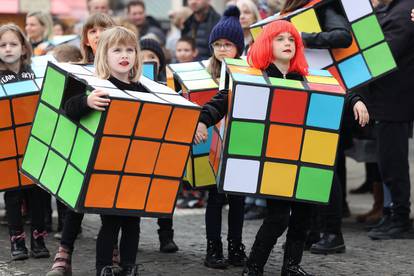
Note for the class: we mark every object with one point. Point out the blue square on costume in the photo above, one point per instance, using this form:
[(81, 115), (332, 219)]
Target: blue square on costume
[(20, 87), (204, 148), (325, 111), (2, 94), (322, 73), (148, 70), (249, 78), (354, 71)]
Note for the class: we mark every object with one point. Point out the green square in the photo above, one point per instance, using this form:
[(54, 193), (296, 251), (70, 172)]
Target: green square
[(368, 31), (64, 136), (34, 157), (246, 138), (91, 121), (314, 184), (53, 172), (44, 123), (236, 61), (286, 83), (71, 186), (385, 63), (53, 87), (82, 150)]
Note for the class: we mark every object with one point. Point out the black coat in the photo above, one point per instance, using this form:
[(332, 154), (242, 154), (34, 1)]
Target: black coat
[(391, 98)]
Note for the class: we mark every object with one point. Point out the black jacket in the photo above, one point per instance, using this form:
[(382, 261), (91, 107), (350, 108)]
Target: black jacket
[(77, 106), (391, 98), (200, 31), (7, 76)]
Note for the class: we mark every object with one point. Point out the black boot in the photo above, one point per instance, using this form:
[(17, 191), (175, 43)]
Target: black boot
[(237, 256), (292, 258), (129, 270), (329, 244), (167, 244), (109, 271), (18, 247), (214, 257), (37, 245), (251, 269)]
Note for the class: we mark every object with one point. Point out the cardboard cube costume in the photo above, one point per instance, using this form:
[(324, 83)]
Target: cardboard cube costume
[(127, 160), (199, 87), (368, 58), (18, 101), (281, 136)]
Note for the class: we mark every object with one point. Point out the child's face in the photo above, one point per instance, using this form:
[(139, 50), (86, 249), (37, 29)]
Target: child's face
[(284, 47), (121, 59), (11, 49), (34, 29), (184, 52), (57, 29), (224, 48), (92, 37), (147, 55)]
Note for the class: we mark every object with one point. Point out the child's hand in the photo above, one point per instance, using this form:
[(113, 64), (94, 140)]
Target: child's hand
[(361, 113), (97, 100), (201, 134)]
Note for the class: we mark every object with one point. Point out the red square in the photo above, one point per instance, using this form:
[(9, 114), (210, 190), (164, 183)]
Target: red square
[(202, 97), (288, 106)]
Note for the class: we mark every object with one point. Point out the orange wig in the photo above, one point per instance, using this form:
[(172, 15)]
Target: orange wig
[(260, 54)]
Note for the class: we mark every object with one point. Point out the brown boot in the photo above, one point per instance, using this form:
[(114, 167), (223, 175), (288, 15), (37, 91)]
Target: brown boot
[(375, 213), (62, 263)]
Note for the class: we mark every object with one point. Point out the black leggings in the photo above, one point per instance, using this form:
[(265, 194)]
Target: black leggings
[(215, 204), (108, 235), (71, 229)]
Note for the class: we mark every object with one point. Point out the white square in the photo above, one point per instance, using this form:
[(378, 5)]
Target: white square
[(250, 102), (241, 175), (356, 9), (318, 58)]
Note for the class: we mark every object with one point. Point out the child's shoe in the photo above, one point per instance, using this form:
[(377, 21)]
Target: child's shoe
[(37, 245), (237, 256), (214, 257), (18, 247), (62, 265)]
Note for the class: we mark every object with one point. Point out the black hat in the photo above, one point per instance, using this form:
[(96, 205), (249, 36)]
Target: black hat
[(153, 46)]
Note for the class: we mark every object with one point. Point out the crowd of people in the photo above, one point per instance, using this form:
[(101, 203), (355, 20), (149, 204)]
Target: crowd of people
[(380, 112)]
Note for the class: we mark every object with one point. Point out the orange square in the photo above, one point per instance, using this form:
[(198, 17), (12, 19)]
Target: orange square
[(182, 125), (101, 191), (171, 160), (341, 53), (153, 121), (133, 192), (25, 181), (121, 117), (218, 157), (162, 195), (9, 174), (24, 109), (5, 115), (112, 153), (142, 157), (7, 144), (22, 135), (284, 142)]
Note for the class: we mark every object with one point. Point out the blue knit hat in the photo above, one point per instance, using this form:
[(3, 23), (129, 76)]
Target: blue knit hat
[(229, 28)]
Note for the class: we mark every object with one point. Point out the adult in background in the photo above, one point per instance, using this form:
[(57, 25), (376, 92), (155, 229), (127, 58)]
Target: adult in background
[(177, 17), (38, 29), (200, 24)]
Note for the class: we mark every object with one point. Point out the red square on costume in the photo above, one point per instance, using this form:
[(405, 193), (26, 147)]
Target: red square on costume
[(288, 106), (202, 97)]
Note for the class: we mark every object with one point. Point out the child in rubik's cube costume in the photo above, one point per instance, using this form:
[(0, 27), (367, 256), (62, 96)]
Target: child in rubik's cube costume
[(263, 152)]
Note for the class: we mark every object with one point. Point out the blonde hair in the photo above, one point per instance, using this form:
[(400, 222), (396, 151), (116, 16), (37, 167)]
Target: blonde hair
[(116, 36), (95, 20), (251, 6), (45, 20), (25, 58)]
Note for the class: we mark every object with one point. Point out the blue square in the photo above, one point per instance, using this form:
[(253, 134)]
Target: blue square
[(204, 148), (325, 111), (354, 71), (20, 87), (249, 78), (148, 70), (322, 73), (2, 94)]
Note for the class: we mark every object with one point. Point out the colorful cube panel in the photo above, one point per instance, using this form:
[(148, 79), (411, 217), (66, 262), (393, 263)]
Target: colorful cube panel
[(127, 160), (283, 145), (198, 86), (368, 58)]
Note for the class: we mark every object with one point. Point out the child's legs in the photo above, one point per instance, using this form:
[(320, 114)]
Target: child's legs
[(71, 228), (165, 224), (61, 210), (236, 217), (37, 198), (106, 239), (13, 201), (129, 240), (214, 207)]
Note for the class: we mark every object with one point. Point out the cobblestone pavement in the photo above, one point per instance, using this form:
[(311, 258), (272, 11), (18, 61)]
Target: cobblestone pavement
[(363, 256)]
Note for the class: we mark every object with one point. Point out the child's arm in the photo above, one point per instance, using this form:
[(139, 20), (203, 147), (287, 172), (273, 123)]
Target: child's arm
[(80, 105), (358, 107)]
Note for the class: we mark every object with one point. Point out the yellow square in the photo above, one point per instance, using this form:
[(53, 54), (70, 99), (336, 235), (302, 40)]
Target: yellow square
[(319, 147), (322, 80), (200, 84), (278, 179), (204, 175), (189, 171), (307, 22), (256, 31)]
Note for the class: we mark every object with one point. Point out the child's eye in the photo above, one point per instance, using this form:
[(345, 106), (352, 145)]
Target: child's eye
[(130, 50), (3, 45)]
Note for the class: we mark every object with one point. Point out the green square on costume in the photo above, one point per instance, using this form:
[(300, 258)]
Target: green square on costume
[(53, 87), (64, 136), (82, 150), (314, 184), (34, 157), (236, 61), (91, 121), (44, 123), (53, 172), (71, 186), (286, 83), (246, 138), (379, 59), (368, 31)]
